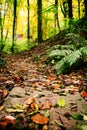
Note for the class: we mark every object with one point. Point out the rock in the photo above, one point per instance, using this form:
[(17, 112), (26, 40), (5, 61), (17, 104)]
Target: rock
[(17, 92)]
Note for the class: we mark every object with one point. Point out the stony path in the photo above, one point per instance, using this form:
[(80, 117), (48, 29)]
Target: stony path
[(25, 79)]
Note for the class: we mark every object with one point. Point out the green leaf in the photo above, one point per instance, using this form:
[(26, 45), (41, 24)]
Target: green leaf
[(61, 102), (36, 107), (77, 117), (47, 114), (79, 127)]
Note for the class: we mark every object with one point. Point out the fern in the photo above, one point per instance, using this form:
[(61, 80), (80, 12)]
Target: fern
[(68, 56), (68, 61), (74, 57), (83, 50), (59, 53)]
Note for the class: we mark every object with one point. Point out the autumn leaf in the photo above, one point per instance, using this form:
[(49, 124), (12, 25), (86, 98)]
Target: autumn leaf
[(32, 105), (85, 117), (39, 119), (61, 102), (47, 105), (56, 86), (83, 94), (1, 107), (9, 110), (29, 100), (36, 106), (7, 120), (51, 78)]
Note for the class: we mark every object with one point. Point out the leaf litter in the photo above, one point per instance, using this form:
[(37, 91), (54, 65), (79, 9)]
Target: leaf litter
[(51, 101)]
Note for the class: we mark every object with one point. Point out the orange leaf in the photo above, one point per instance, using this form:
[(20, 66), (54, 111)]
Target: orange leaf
[(4, 122), (84, 94), (1, 107), (39, 119), (56, 86), (51, 78), (32, 105), (47, 105), (29, 100), (5, 93)]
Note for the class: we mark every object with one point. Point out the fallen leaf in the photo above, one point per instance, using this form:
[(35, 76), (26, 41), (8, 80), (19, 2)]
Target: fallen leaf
[(1, 107), (77, 116), (14, 110), (83, 94), (47, 105), (45, 127), (4, 93), (56, 86), (7, 120), (29, 100), (61, 102), (39, 119), (36, 106), (85, 117), (32, 105), (47, 114), (51, 78)]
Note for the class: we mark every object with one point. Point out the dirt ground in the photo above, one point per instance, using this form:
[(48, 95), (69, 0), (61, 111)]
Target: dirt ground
[(28, 80)]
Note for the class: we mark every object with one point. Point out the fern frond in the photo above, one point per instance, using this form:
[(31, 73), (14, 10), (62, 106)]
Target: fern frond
[(83, 50), (67, 62), (61, 66), (74, 57), (68, 47), (60, 53)]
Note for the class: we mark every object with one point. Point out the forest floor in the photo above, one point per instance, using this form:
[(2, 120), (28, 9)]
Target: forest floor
[(33, 97)]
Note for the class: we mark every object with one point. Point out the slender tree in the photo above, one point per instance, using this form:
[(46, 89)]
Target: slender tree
[(39, 13), (28, 25), (70, 14), (85, 4), (79, 8), (56, 15), (14, 23)]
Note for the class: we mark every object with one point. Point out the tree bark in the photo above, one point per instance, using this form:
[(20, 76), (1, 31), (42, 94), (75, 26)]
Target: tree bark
[(70, 14), (14, 23), (39, 13), (28, 24), (56, 15), (85, 5)]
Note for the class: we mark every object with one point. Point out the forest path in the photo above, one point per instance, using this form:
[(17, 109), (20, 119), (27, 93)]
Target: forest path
[(31, 82)]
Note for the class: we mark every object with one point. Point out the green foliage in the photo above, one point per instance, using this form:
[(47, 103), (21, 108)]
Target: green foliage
[(67, 56)]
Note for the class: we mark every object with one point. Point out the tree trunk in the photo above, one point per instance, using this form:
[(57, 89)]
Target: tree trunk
[(28, 24), (85, 4), (39, 13), (14, 23), (70, 14), (79, 9), (56, 15)]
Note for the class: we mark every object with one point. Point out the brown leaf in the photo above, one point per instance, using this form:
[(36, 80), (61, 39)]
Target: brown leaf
[(3, 94), (1, 107), (32, 105), (2, 79), (39, 119), (47, 105), (29, 100), (56, 86), (51, 78), (7, 120), (84, 94)]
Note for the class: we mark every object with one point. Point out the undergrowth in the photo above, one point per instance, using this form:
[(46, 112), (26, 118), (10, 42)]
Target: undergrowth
[(66, 57)]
